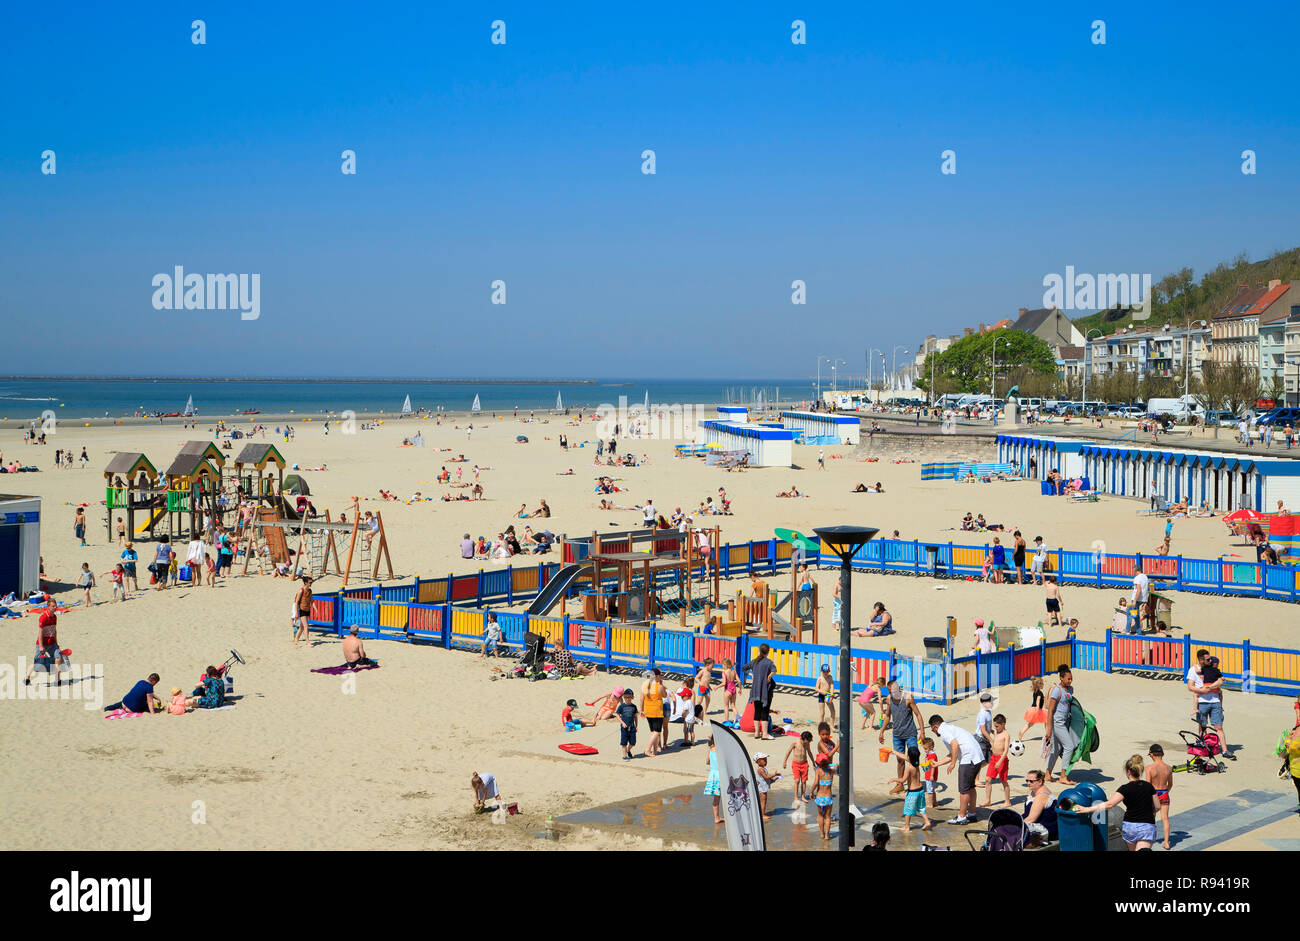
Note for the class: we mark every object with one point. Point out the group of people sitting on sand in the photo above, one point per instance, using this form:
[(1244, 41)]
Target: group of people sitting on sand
[(977, 524)]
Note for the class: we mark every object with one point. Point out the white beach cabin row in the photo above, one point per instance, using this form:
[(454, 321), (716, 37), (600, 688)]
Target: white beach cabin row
[(1221, 480)]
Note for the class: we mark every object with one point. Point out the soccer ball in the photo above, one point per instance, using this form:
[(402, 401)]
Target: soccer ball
[(1017, 748)]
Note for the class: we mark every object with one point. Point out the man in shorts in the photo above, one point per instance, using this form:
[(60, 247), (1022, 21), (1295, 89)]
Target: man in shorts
[(1053, 591), (966, 755), (1039, 560), (1206, 681)]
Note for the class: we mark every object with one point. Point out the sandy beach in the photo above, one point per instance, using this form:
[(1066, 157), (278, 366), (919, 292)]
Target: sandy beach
[(382, 759)]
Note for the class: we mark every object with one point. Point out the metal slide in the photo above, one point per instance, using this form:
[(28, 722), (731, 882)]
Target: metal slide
[(556, 588)]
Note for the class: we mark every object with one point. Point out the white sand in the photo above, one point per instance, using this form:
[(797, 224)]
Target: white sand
[(303, 762)]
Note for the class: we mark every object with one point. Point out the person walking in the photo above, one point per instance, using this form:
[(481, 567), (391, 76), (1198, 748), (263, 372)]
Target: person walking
[(1062, 742), (1140, 807)]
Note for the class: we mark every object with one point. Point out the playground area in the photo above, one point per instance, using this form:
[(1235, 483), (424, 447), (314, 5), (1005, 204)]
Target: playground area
[(275, 525)]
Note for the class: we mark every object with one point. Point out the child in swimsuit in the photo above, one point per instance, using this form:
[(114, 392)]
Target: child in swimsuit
[(703, 680), (730, 688), (914, 802), (825, 780), (763, 781), (825, 694), (1161, 777), (868, 699), (800, 765), (713, 786)]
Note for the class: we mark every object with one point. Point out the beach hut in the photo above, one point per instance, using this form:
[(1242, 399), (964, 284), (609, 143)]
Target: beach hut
[(268, 463), (823, 428), (129, 481), (20, 544), (767, 446)]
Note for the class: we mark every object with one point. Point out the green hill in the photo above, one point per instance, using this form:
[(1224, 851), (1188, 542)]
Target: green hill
[(1179, 297)]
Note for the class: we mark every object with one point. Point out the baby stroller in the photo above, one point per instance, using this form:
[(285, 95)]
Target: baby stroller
[(533, 662), (1201, 749), (1006, 833)]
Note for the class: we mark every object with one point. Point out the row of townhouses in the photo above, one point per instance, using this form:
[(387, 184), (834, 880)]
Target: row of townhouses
[(1260, 326)]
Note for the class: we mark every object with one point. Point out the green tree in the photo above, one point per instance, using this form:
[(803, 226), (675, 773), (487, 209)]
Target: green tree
[(968, 363)]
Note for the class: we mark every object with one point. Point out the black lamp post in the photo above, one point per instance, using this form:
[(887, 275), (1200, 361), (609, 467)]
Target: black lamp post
[(844, 541)]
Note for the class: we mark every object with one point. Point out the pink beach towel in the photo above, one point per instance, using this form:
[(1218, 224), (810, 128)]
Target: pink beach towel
[(122, 714)]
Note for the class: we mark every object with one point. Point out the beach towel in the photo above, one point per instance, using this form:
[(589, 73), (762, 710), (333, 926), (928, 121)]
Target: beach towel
[(344, 668), (1084, 725), (122, 714), (229, 705), (576, 748)]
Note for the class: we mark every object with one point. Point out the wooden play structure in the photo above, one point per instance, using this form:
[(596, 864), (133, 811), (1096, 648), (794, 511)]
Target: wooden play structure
[(181, 495), (761, 610), (653, 581), (317, 552), (259, 472), (129, 481)]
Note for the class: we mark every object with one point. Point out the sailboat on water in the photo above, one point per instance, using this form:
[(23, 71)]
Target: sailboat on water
[(189, 406), (559, 402), (406, 406), (476, 407)]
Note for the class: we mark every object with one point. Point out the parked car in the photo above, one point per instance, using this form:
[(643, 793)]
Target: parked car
[(1280, 417), (1220, 417)]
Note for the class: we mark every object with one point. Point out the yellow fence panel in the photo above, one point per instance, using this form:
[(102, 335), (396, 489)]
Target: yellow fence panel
[(466, 622), (550, 628), (392, 615), (1279, 666), (967, 555), (1229, 657), (524, 579), (630, 640), (432, 592)]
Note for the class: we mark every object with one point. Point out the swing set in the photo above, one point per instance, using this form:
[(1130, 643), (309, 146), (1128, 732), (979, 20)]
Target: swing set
[(318, 551)]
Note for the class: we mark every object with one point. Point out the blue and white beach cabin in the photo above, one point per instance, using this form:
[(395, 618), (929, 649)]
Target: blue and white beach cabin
[(768, 445), (822, 428), (1224, 482)]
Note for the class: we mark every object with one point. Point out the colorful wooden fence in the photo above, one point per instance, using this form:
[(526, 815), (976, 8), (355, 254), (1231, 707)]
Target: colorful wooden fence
[(1082, 567), (425, 611)]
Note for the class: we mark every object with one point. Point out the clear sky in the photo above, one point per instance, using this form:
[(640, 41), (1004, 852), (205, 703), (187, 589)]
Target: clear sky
[(522, 162)]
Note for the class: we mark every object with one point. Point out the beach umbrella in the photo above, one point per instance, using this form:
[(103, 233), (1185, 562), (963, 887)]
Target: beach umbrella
[(1245, 516)]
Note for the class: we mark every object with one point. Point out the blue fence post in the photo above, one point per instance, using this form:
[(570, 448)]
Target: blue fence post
[(478, 603), (1187, 653), (749, 546), (450, 578), (952, 561), (1178, 585), (609, 645), (446, 625), (1108, 658), (1245, 660), (510, 584), (1101, 561), (654, 640), (977, 671), (1218, 567), (415, 596), (916, 557), (338, 614), (771, 553), (1261, 573), (1042, 655), (564, 628)]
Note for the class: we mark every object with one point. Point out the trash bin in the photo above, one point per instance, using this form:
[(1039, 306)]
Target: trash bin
[(935, 647), (1079, 833), (936, 568)]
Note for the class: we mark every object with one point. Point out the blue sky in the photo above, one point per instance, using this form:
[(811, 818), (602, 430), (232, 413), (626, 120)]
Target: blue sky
[(521, 162)]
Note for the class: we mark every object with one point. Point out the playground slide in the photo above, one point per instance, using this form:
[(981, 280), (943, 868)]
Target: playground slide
[(556, 588), (781, 626), (288, 510), (149, 523)]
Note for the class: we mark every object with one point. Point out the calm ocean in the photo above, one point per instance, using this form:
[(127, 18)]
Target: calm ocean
[(116, 398)]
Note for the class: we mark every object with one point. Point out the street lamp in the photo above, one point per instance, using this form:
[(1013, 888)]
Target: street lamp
[(869, 368), (834, 375), (844, 541), (993, 388), (895, 354), (1087, 359)]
